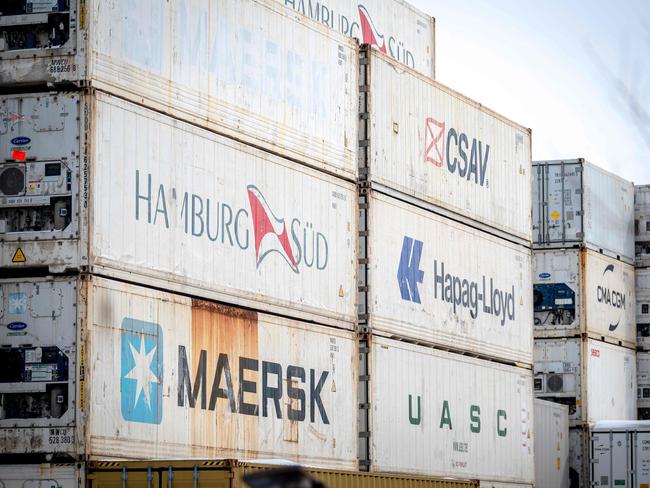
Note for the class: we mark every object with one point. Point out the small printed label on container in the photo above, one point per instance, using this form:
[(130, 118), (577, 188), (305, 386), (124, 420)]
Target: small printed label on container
[(595, 353), (40, 372), (33, 355), (60, 436)]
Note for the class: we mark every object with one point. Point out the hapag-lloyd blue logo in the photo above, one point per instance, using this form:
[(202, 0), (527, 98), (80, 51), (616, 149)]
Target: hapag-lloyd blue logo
[(141, 371), (459, 292)]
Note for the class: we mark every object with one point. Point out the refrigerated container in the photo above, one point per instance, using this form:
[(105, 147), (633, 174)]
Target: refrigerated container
[(643, 307), (436, 413), (576, 203), (551, 434), (111, 187), (582, 292), (620, 453), (433, 280), (193, 474), (394, 27), (643, 384), (642, 224), (438, 149), (579, 468), (250, 69), (102, 369), (596, 380)]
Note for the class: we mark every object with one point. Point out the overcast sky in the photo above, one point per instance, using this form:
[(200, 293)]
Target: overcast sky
[(576, 72)]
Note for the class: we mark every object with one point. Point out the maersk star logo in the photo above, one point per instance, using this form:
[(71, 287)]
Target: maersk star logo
[(141, 377)]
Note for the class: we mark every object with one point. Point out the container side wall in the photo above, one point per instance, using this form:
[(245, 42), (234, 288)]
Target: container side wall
[(609, 212), (473, 295), (436, 146), (609, 299), (179, 203), (551, 436), (395, 27), (476, 423), (177, 378), (251, 70), (611, 383)]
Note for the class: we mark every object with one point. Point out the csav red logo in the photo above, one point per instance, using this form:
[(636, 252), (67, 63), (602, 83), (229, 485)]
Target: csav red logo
[(369, 31), (595, 353), (270, 231), (434, 143)]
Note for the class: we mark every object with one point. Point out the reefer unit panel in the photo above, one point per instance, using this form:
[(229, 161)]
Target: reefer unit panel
[(248, 69), (575, 203), (116, 187), (551, 434), (595, 379), (394, 27), (579, 291), (436, 280), (156, 375), (442, 414), (642, 224), (643, 307), (437, 148), (42, 476), (643, 384)]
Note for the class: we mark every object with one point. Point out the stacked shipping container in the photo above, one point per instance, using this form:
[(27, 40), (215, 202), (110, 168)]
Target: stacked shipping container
[(444, 273), (642, 319), (190, 271), (584, 298)]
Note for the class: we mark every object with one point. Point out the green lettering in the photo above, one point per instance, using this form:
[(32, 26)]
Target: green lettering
[(502, 432), (418, 419), (445, 418), (475, 418)]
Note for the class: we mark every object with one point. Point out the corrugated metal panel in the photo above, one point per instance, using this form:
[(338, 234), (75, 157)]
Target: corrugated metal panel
[(175, 206), (352, 479), (576, 202), (595, 379), (166, 376), (434, 145), (41, 476), (475, 423), (395, 27), (579, 291), (551, 445), (249, 69), (436, 280)]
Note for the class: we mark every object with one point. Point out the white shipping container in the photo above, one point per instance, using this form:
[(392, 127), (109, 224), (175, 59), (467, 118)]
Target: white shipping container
[(576, 202), (440, 149), (438, 281), (620, 454), (146, 374), (249, 69), (551, 434), (437, 413), (643, 307), (135, 194), (579, 291), (642, 217), (595, 379), (394, 27)]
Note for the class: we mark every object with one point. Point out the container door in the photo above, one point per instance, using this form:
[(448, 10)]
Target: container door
[(610, 454), (641, 443), (561, 193)]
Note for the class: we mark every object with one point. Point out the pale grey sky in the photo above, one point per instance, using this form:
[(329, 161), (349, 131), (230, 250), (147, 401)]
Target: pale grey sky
[(576, 72)]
